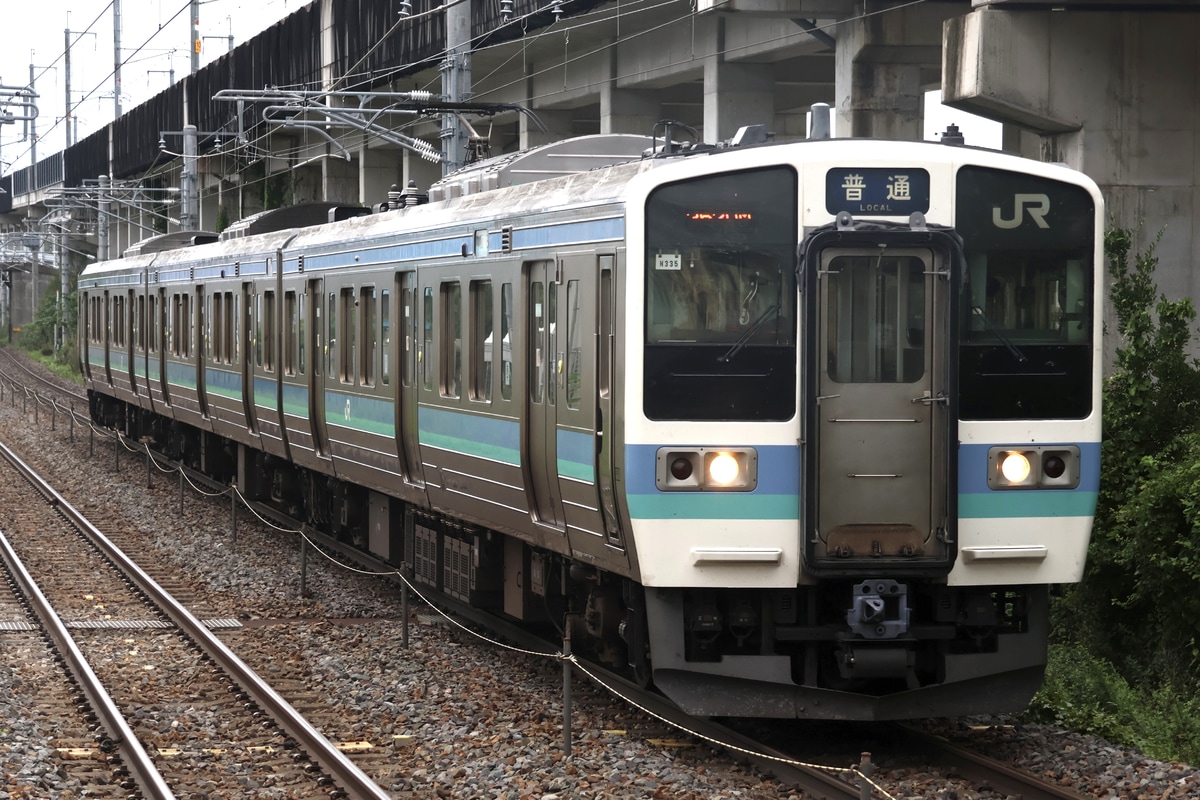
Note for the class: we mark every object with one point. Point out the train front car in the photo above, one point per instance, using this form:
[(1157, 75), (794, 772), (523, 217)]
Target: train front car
[(862, 424)]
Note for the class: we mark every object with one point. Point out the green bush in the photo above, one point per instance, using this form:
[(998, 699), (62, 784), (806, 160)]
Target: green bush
[(1087, 694)]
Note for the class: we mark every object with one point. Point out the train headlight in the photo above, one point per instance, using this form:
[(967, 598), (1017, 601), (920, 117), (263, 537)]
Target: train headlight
[(1033, 467), (703, 469), (723, 469), (1014, 467)]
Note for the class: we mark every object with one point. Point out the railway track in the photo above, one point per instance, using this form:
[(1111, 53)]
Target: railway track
[(160, 664)]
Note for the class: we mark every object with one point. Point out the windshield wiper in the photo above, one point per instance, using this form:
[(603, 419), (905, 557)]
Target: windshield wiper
[(1012, 348), (737, 346)]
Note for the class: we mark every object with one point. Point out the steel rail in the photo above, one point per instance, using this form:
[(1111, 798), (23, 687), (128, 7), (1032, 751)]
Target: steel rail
[(352, 779), (134, 757)]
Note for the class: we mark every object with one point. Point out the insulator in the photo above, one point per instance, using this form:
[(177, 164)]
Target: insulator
[(406, 8), (556, 9), (506, 10)]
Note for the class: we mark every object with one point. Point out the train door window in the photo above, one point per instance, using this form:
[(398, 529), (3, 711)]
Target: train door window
[(604, 378), (551, 320), (505, 349), (427, 351), (537, 338), (175, 310), (331, 343), (368, 352), (140, 322), (185, 325), (574, 346), (347, 332), (301, 306), (452, 339), (408, 346), (255, 321), (269, 330), (385, 335), (481, 341), (218, 308), (229, 328), (290, 333), (876, 319), (152, 324)]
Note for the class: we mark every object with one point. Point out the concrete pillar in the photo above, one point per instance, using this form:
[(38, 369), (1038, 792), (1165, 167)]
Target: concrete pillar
[(559, 125), (1113, 94), (736, 95), (882, 64), (341, 180), (628, 110), (378, 171)]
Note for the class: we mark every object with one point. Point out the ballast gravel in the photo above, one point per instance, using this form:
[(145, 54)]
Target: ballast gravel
[(451, 715)]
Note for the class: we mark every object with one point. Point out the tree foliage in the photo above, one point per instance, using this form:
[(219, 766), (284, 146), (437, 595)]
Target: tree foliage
[(1138, 604)]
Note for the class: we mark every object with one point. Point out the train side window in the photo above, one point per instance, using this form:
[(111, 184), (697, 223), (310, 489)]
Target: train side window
[(269, 330), (348, 333), (369, 336), (290, 333), (452, 339), (385, 335), (574, 347), (481, 341), (426, 355), (256, 326), (506, 324), (216, 339)]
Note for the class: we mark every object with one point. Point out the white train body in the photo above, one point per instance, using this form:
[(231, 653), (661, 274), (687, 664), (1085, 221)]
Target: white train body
[(793, 429)]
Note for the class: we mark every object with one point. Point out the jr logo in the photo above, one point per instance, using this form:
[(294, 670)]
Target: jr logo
[(1036, 205)]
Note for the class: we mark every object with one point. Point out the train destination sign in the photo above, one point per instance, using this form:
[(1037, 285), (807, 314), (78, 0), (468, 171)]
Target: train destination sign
[(877, 191)]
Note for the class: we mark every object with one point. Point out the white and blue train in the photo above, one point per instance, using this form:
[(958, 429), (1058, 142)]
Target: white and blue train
[(790, 429)]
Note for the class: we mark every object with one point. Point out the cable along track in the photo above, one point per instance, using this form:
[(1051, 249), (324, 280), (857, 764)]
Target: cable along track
[(238, 716)]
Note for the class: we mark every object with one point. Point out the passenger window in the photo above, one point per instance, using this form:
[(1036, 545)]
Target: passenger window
[(506, 322), (368, 353), (574, 347), (481, 340), (452, 339), (385, 334), (427, 351)]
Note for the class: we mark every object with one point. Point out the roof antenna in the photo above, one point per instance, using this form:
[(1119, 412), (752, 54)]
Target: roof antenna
[(953, 135)]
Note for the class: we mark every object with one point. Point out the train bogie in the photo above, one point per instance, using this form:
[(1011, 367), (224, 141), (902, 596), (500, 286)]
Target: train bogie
[(801, 429)]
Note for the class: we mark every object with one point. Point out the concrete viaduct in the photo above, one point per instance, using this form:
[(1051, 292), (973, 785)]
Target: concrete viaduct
[(1109, 87)]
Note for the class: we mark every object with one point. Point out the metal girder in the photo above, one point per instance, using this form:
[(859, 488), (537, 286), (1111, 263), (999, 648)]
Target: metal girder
[(311, 111)]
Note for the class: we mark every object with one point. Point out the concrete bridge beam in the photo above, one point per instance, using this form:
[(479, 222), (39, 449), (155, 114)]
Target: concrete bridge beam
[(1113, 94)]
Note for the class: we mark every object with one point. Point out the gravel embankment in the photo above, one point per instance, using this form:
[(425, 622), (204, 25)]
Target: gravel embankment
[(456, 717)]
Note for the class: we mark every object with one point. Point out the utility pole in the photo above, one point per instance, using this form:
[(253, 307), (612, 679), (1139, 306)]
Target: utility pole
[(116, 59), (102, 206), (31, 129), (67, 84), (456, 84), (195, 43), (189, 183)]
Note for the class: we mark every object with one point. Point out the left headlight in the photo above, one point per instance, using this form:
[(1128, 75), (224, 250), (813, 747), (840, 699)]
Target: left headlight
[(1033, 467), (699, 469)]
